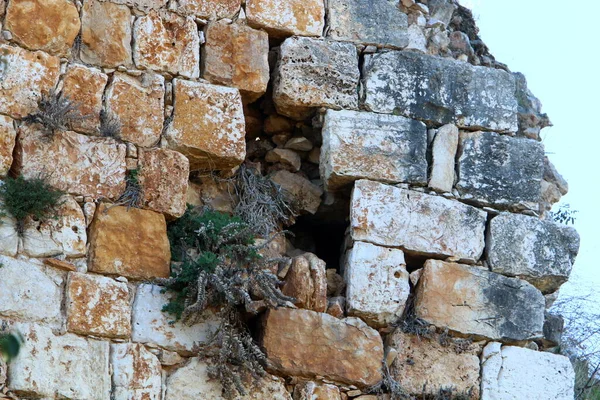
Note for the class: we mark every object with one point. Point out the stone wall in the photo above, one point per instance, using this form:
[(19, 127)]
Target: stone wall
[(388, 118)]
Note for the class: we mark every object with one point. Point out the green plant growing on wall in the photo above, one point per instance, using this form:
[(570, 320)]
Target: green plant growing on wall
[(56, 112)]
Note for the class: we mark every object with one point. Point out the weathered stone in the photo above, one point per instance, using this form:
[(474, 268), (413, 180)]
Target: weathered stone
[(335, 283), (417, 41), (210, 9), (540, 252), (499, 170), (66, 366), (143, 5), (9, 237), (441, 10), (194, 382), (360, 145), (105, 34), (509, 372), (164, 176), (336, 306), (167, 42), (236, 55), (211, 192), (85, 87), (277, 124), (136, 373), (78, 164), (288, 158), (553, 176), (312, 73), (531, 118), (378, 22), (445, 145), (287, 18), (306, 281), (424, 365), (26, 76), (152, 326), (418, 223), (129, 242), (208, 125), (98, 306), (474, 301), (59, 264), (294, 340), (440, 91), (310, 390), (306, 194), (299, 144), (8, 135), (376, 284)]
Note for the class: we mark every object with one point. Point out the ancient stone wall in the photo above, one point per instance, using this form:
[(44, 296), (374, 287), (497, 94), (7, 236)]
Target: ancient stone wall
[(423, 258)]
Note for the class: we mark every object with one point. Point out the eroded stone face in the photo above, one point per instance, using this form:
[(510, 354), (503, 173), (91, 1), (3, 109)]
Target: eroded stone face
[(314, 390), (143, 5), (8, 135), (306, 281), (9, 237), (136, 372), (287, 18), (210, 9), (306, 194), (445, 145), (359, 145)]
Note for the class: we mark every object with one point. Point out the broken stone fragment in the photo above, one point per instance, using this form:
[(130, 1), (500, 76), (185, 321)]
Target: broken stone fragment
[(445, 145), (306, 281), (288, 158), (299, 144), (8, 135), (287, 18), (137, 373), (554, 326), (209, 9), (336, 306), (308, 390), (305, 195), (143, 5), (531, 118)]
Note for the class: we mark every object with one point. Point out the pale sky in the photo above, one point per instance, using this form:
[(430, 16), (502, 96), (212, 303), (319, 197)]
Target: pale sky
[(555, 44)]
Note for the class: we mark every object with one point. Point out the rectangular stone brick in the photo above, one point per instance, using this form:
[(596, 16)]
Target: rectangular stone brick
[(287, 18), (209, 9), (8, 135), (136, 372)]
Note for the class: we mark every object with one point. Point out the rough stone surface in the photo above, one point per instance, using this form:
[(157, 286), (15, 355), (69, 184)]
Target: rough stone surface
[(56, 24), (360, 145), (540, 252), (531, 118), (509, 372), (208, 125), (499, 170), (310, 390), (138, 104), (9, 237), (287, 18), (167, 42), (105, 34), (416, 222), (445, 145), (474, 301), (288, 158), (136, 373), (143, 5), (210, 9), (306, 281), (8, 135), (378, 22), (376, 284), (129, 242), (440, 91), (98, 306), (424, 366), (26, 76), (313, 73), (306, 194), (554, 326), (236, 55), (294, 340)]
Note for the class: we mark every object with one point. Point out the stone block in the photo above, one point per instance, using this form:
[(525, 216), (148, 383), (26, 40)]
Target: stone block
[(306, 194), (9, 237), (499, 170), (312, 73), (143, 5), (445, 146), (306, 281), (416, 222), (136, 373), (210, 9), (167, 42), (376, 284), (97, 305), (287, 18), (208, 125), (474, 301), (129, 242), (360, 145), (8, 135), (440, 91), (294, 339), (309, 390)]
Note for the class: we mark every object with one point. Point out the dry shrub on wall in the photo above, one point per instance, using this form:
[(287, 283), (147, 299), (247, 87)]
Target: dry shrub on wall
[(56, 112), (134, 192)]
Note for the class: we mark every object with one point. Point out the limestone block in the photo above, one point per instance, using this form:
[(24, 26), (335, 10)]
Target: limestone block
[(98, 306), (138, 104), (78, 164), (9, 237), (499, 170), (105, 34), (306, 281), (554, 326), (66, 366), (474, 301), (418, 223), (26, 76), (236, 55), (440, 91), (376, 284), (287, 18), (136, 372), (129, 242), (312, 73), (360, 145), (143, 5), (8, 135), (509, 372), (288, 158), (85, 87), (29, 293), (306, 194), (445, 145), (309, 390), (152, 326), (164, 176), (210, 9), (167, 42), (378, 22), (424, 366), (294, 339), (56, 24), (441, 10), (208, 125), (540, 252)]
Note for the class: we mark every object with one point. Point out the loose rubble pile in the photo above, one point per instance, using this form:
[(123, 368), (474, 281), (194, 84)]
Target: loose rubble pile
[(423, 257)]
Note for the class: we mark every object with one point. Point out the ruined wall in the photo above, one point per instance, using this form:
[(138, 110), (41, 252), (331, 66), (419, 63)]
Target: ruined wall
[(389, 121)]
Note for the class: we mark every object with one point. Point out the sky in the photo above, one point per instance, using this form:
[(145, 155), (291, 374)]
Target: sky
[(556, 46)]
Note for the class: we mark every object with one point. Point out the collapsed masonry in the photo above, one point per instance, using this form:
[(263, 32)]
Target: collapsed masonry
[(405, 143)]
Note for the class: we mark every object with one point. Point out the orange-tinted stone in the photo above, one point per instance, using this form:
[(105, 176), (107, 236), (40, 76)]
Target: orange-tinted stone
[(287, 18)]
